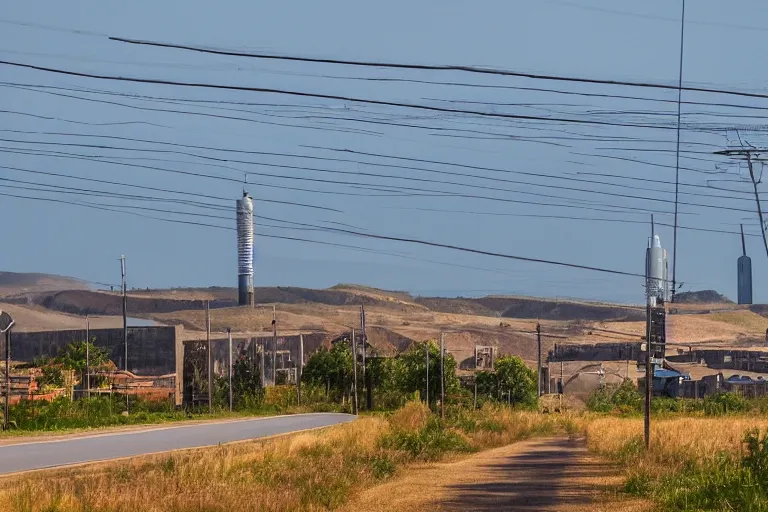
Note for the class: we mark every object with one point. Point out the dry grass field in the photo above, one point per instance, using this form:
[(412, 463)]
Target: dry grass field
[(317, 470)]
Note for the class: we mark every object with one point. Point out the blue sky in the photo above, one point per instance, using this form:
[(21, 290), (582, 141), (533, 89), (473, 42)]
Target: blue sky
[(600, 38)]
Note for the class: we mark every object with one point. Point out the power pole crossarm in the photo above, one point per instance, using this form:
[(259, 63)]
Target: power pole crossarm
[(751, 155), (757, 199)]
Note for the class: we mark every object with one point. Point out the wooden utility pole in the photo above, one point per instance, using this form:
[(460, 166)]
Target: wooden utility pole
[(125, 332), (474, 402), (210, 354), (648, 377), (6, 323), (262, 366), (366, 387), (354, 369), (300, 368), (229, 339), (538, 359), (427, 346), (87, 357), (562, 386), (7, 411), (274, 345), (442, 375)]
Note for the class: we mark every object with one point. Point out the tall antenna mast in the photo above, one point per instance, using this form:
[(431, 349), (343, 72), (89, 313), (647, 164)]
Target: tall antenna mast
[(677, 164)]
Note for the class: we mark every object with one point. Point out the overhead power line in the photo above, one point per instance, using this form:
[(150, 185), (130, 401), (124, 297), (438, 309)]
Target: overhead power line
[(432, 67), (302, 94), (362, 234), (393, 176)]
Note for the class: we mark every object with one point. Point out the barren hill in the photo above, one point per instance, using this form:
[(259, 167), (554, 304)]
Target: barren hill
[(394, 319), (15, 283)]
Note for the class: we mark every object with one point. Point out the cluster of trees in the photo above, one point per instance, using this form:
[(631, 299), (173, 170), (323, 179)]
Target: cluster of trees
[(511, 381), (394, 379)]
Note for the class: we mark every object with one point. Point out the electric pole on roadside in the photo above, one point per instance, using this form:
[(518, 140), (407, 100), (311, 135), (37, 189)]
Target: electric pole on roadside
[(125, 331), (442, 375), (229, 340), (87, 357), (657, 290), (538, 360), (354, 369), (210, 354), (6, 323), (300, 368), (364, 338), (274, 345), (427, 346)]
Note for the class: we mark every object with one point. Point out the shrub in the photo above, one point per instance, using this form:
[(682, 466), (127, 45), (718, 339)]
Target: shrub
[(721, 404)]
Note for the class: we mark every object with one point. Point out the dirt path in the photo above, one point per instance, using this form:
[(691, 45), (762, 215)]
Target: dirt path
[(552, 474)]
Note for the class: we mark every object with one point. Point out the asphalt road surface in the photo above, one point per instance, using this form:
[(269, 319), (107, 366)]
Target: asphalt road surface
[(77, 450)]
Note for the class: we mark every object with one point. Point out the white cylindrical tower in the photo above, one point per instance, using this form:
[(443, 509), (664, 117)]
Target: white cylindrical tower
[(656, 271), (245, 250)]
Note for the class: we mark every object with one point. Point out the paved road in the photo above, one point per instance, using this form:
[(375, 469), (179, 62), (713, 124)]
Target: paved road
[(51, 453)]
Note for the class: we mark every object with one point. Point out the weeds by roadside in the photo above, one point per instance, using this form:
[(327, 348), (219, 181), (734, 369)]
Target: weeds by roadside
[(308, 471), (693, 464)]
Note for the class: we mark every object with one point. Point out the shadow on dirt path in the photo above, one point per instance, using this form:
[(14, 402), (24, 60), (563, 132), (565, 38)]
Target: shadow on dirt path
[(548, 474)]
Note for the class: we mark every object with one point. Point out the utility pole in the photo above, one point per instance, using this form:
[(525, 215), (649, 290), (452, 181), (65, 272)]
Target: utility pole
[(210, 354), (655, 337), (442, 375), (262, 366), (87, 357), (751, 155), (677, 164), (648, 378), (354, 368), (274, 345), (300, 368), (364, 340), (427, 346), (538, 359), (6, 323), (229, 339), (7, 411), (125, 332), (562, 387)]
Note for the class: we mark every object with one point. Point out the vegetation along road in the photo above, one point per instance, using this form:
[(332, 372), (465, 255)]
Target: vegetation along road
[(63, 452)]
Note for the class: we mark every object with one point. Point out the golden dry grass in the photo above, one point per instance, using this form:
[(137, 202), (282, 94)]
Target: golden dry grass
[(275, 475), (675, 440), (316, 470)]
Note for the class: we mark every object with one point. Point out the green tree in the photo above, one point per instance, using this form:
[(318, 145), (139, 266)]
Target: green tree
[(510, 375), (73, 356), (513, 376), (331, 368), (246, 384), (411, 370)]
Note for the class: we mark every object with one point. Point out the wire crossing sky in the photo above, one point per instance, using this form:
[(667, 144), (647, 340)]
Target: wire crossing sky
[(454, 151)]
